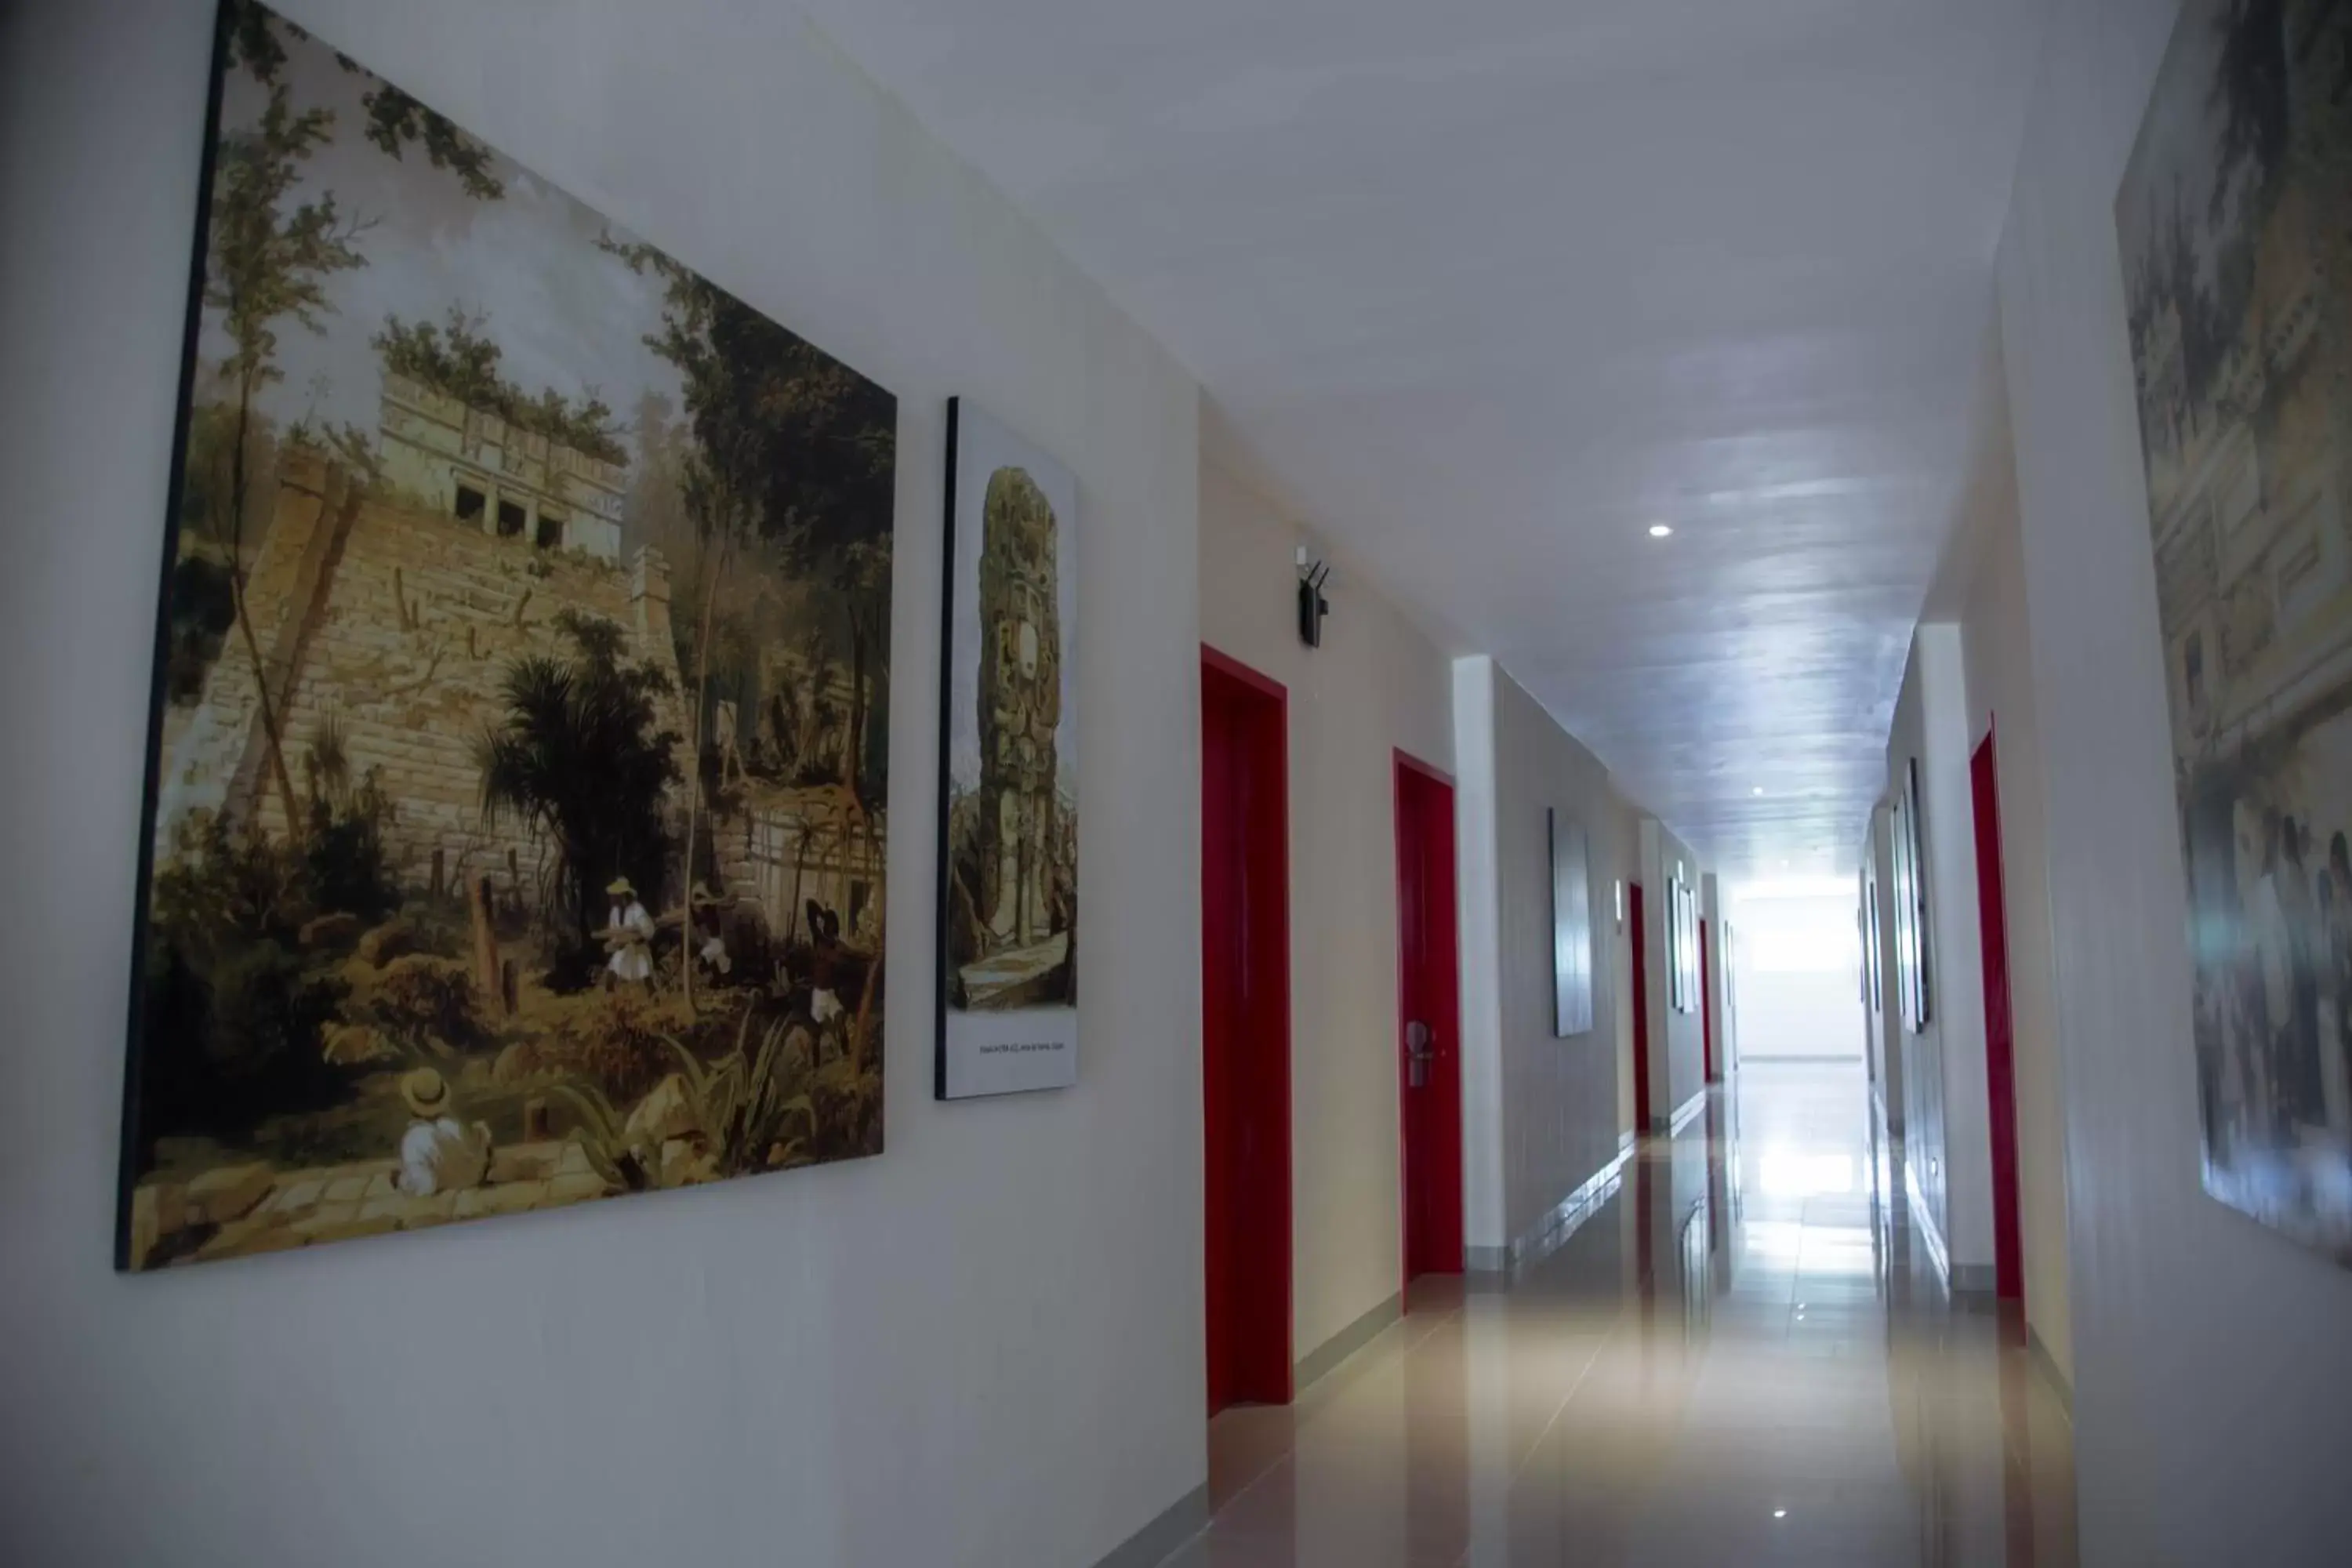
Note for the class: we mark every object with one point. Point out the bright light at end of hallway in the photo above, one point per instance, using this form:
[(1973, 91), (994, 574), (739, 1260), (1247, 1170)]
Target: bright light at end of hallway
[(1795, 1175)]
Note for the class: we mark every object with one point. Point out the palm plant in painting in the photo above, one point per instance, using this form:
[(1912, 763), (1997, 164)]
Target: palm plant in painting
[(580, 758)]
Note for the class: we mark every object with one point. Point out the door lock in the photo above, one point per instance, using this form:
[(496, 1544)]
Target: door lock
[(1420, 1050)]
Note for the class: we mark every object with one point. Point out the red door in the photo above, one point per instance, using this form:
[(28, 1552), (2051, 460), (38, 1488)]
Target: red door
[(1641, 1007), (1705, 1010), (2001, 1037), (1245, 1032), (1428, 996)]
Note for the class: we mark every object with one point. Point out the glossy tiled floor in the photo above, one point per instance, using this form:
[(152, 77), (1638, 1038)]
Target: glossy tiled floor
[(1742, 1357)]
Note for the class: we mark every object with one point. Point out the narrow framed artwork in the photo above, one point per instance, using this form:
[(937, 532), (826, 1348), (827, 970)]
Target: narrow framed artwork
[(1682, 945), (1571, 926), (1693, 983), (514, 824), (1872, 975), (1913, 981), (1677, 973), (1671, 919), (1009, 929), (2233, 221)]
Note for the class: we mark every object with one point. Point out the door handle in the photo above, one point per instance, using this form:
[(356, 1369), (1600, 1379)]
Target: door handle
[(1420, 1050)]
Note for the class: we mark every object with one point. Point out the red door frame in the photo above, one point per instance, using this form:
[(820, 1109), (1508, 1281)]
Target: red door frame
[(1245, 1000), (1641, 1008), (2001, 1033), (1705, 1010), (1425, 837)]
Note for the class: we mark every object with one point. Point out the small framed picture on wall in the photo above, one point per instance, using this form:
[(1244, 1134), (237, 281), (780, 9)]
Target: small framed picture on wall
[(1009, 932)]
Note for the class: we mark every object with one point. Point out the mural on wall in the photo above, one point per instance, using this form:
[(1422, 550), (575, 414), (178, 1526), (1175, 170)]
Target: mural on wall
[(1009, 762), (1571, 926), (2235, 224), (515, 825)]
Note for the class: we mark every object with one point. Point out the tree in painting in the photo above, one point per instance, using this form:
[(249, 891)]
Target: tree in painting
[(519, 822)]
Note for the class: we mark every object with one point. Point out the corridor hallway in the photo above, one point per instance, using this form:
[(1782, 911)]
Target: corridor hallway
[(1743, 1356)]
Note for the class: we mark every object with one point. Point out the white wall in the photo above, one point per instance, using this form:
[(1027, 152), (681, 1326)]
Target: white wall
[(1801, 1013), (1375, 686), (1678, 1040), (1997, 650), (1484, 1223), (1541, 1114), (1621, 972), (911, 1358), (1799, 977), (2212, 1371), (1945, 1130), (1559, 1095)]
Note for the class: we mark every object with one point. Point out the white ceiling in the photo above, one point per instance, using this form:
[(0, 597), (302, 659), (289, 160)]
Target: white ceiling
[(1488, 287)]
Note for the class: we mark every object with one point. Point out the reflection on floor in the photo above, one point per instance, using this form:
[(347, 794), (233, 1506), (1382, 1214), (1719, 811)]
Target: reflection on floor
[(1744, 1357)]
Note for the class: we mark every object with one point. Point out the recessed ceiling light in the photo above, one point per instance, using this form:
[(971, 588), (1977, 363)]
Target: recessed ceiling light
[(1759, 790), (1780, 1513), (1660, 530)]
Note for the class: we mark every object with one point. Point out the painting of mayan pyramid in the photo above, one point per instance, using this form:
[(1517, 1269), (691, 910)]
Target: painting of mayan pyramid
[(520, 746)]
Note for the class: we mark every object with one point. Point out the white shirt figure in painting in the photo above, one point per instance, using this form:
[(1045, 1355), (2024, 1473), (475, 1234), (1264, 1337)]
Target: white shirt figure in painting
[(628, 936), (826, 961), (436, 1155), (712, 950)]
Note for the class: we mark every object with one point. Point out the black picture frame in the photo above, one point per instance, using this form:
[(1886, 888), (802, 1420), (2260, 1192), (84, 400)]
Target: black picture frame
[(1913, 975), (984, 1050)]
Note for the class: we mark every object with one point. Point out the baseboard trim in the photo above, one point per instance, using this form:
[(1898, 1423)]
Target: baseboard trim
[(1550, 1231), (1973, 1279), (1311, 1367), (1158, 1541), (2048, 1365), (1928, 1231)]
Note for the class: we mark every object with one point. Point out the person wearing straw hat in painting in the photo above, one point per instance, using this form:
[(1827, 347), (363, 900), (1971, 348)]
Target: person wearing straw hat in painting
[(436, 1155), (628, 936), (710, 934)]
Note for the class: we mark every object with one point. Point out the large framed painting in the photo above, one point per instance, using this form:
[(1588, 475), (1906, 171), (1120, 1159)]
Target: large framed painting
[(2234, 220), (1571, 926), (514, 827), (1009, 766)]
